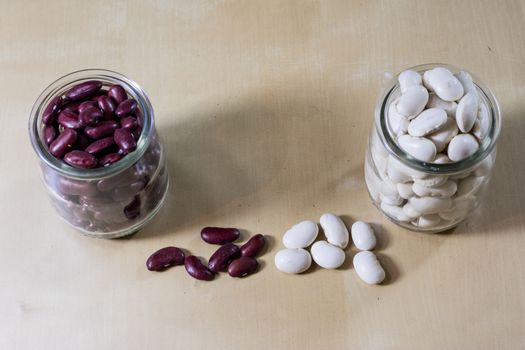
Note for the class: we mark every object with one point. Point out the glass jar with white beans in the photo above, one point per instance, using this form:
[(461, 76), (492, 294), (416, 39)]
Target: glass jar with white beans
[(432, 147)]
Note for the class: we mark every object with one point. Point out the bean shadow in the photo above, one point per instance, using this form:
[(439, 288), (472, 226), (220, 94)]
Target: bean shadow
[(392, 273), (502, 208)]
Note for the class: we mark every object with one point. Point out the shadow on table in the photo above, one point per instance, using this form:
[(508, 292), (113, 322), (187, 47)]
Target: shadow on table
[(502, 208)]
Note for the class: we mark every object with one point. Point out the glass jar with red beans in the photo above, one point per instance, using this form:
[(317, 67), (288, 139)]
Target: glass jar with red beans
[(102, 161)]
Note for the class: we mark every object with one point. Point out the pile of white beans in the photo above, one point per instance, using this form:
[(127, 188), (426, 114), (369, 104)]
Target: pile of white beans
[(438, 118), (329, 253)]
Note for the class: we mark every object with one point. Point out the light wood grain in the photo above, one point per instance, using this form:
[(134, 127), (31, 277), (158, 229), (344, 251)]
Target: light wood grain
[(264, 108)]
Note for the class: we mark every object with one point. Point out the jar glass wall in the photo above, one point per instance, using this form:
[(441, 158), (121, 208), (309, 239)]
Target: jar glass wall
[(427, 196), (111, 201)]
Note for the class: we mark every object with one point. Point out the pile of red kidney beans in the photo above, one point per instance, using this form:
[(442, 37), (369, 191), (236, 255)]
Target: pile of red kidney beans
[(238, 261), (90, 127)]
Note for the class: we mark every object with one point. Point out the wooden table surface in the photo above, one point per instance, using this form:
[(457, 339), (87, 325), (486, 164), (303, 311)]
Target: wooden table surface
[(264, 109)]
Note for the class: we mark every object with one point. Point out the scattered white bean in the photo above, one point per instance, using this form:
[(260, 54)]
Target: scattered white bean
[(293, 260), (327, 255), (335, 230), (368, 267), (301, 235), (363, 236)]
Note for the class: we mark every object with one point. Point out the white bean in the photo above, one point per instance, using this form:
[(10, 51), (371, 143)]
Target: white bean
[(442, 158), (410, 211), (301, 235), (467, 111), (431, 220), (430, 205), (293, 260), (395, 212), (335, 230), (448, 106), (418, 147), (405, 190), (469, 186), (432, 180), (446, 190), (466, 80), (445, 84), (482, 123), (368, 267), (398, 122), (409, 78), (484, 168), (427, 122), (327, 255), (442, 137), (412, 101), (363, 236), (462, 146)]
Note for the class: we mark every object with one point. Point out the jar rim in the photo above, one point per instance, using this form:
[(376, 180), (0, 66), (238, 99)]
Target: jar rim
[(62, 84), (485, 148)]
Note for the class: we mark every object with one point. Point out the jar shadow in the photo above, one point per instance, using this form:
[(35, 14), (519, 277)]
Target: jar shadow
[(502, 208)]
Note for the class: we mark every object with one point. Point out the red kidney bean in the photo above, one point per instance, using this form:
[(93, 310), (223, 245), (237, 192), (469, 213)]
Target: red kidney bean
[(71, 107), (136, 133), (82, 142), (103, 129), (80, 159), (129, 123), (197, 269), (123, 193), (69, 120), (132, 210), (75, 188), (253, 246), (90, 116), (124, 178), (126, 107), (124, 140), (83, 90), (86, 105), (49, 133), (109, 159), (107, 105), (117, 93), (97, 201), (219, 235), (164, 258), (51, 110), (222, 257), (100, 145), (63, 143), (243, 266)]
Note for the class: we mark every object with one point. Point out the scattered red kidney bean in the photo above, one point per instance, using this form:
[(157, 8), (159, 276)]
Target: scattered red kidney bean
[(125, 140), (107, 105), (109, 159), (50, 133), (129, 123), (219, 235), (51, 110), (86, 105), (126, 107), (83, 90), (80, 159), (117, 93), (243, 266), (69, 120), (253, 246), (100, 145), (164, 258), (223, 256), (197, 269), (103, 129), (90, 116), (63, 143)]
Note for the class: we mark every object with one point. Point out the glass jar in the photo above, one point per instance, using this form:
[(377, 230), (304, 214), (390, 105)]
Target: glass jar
[(111, 201), (391, 174)]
